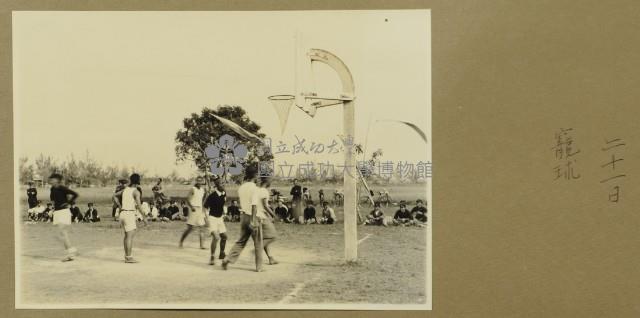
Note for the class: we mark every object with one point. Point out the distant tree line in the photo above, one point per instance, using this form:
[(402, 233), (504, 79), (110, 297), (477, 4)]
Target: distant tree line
[(85, 172)]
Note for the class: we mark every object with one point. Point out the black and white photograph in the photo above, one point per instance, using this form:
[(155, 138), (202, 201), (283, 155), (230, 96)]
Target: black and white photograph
[(223, 159)]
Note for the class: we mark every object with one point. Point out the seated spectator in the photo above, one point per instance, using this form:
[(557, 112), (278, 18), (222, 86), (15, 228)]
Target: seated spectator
[(376, 217), (310, 213), (276, 195), (403, 216), (174, 210), (419, 212), (282, 212), (145, 209), (35, 213), (47, 214), (165, 214), (154, 214), (92, 214), (328, 216), (76, 214), (233, 211), (185, 209), (305, 194)]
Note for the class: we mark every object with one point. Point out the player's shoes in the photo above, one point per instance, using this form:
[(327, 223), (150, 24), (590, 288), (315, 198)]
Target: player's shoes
[(71, 254), (225, 264), (130, 260), (212, 261), (222, 255), (272, 261)]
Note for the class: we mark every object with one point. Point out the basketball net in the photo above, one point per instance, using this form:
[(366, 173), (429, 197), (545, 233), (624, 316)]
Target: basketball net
[(282, 104)]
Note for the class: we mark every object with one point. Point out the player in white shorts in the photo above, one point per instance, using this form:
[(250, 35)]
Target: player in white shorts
[(215, 204), (62, 197), (196, 216), (129, 208)]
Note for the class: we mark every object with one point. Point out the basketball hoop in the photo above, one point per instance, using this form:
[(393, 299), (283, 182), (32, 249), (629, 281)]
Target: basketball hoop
[(282, 104), (308, 100)]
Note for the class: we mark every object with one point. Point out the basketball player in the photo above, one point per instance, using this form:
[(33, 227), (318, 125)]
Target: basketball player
[(215, 204), (196, 216), (261, 201), (129, 207), (249, 221), (62, 197)]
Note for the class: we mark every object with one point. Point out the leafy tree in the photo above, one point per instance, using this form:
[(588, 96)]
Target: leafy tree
[(201, 130)]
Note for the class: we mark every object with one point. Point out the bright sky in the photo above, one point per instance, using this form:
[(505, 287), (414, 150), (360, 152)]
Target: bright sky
[(118, 84)]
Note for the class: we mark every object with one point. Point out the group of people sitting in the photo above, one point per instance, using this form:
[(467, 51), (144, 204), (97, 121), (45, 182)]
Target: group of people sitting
[(403, 217), (40, 213), (163, 211), (285, 213)]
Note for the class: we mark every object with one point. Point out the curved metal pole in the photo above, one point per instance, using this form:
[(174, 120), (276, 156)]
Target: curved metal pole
[(350, 184)]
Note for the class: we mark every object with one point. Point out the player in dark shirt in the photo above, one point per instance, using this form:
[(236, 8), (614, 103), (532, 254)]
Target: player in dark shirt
[(403, 215), (419, 212), (62, 198), (32, 196), (310, 213), (215, 203)]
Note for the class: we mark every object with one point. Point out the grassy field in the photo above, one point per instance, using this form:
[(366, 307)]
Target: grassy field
[(390, 270)]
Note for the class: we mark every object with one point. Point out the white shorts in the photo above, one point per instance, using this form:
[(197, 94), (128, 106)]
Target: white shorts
[(62, 217), (217, 225), (196, 217), (128, 220)]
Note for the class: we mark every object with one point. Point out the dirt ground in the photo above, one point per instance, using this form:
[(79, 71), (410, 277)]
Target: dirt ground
[(390, 270)]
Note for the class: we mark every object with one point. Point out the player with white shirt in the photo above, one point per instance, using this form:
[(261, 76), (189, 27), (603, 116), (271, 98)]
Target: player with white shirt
[(196, 216), (261, 202), (250, 218), (129, 208)]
